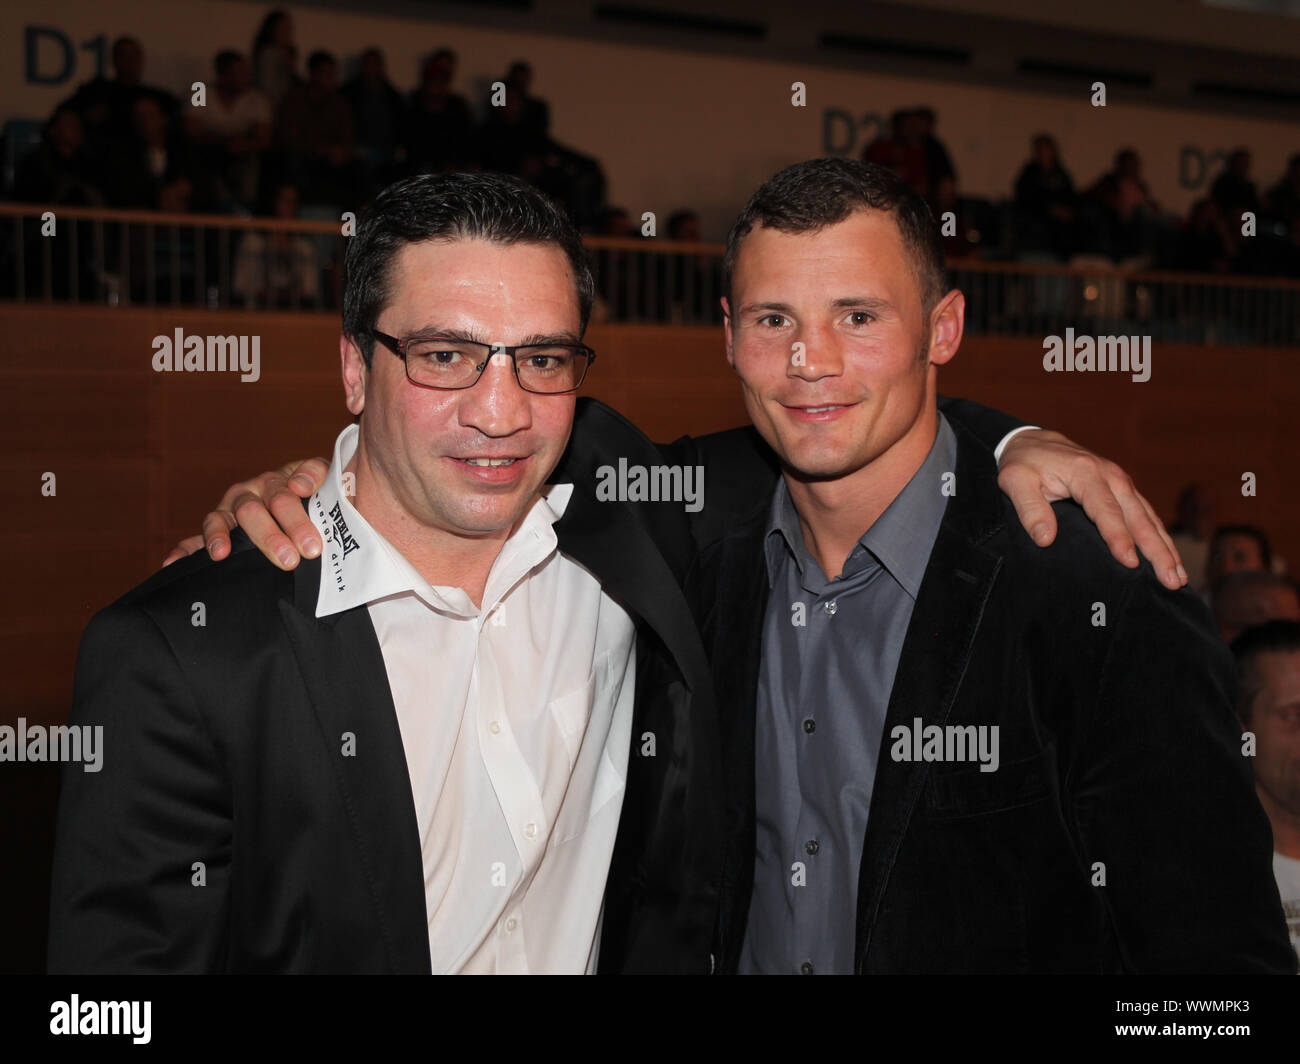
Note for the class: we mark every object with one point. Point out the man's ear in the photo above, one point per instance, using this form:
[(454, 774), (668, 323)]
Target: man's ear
[(355, 373), (726, 331), (947, 322)]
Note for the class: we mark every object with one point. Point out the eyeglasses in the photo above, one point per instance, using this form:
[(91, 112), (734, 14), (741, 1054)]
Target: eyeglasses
[(449, 363)]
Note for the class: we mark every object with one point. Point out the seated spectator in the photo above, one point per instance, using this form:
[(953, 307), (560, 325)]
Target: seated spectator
[(439, 130), (61, 170), (1191, 530), (317, 138), (233, 130), (1128, 210), (505, 142), (279, 270), (149, 161), (1238, 549), (903, 150), (536, 112), (1045, 201), (275, 57), (1245, 599), (1204, 243), (1268, 705), (938, 163), (1233, 191), (688, 286), (106, 104), (378, 116), (964, 239), (1284, 197)]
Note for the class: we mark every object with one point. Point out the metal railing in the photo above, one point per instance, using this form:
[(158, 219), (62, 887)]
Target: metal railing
[(132, 258)]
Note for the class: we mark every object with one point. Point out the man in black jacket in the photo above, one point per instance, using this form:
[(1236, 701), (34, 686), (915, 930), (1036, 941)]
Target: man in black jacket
[(947, 749), (660, 900), (410, 754)]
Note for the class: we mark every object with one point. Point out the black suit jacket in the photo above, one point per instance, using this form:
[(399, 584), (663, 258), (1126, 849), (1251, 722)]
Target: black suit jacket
[(227, 832), (1120, 754)]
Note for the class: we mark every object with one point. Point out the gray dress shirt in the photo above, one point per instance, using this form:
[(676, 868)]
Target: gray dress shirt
[(823, 691)]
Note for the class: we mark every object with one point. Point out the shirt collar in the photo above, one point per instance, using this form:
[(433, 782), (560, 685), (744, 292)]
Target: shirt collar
[(900, 539), (359, 566)]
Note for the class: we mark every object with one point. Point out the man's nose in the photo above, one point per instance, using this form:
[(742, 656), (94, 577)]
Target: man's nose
[(816, 355), (496, 405)]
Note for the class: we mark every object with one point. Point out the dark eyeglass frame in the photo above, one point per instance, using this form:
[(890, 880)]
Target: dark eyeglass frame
[(398, 348)]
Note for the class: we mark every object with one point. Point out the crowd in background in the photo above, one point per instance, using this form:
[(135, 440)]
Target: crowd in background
[(268, 123), (279, 138), (1116, 217), (1257, 610)]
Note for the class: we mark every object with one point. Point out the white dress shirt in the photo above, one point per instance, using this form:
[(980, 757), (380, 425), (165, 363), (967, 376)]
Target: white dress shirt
[(516, 721)]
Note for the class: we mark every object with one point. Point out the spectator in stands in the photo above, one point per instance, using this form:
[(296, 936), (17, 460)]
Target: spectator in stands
[(1268, 705), (279, 270), (938, 163), (688, 286), (1284, 197), (1204, 243), (1045, 201), (105, 104), (962, 239), (1238, 549), (232, 131), (903, 150), (1191, 530), (439, 131), (1245, 599), (378, 116), (506, 143), (1233, 191), (536, 112), (275, 57), (317, 137), (61, 170), (1128, 210), (153, 168)]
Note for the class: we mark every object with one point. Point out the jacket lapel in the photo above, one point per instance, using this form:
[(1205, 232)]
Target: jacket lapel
[(742, 594), (947, 614), (346, 679)]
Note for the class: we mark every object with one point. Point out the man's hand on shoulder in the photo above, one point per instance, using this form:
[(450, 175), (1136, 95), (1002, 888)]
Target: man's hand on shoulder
[(269, 510), (1039, 467)]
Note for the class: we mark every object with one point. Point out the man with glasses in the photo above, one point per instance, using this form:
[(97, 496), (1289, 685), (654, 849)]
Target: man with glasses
[(409, 755), (412, 752)]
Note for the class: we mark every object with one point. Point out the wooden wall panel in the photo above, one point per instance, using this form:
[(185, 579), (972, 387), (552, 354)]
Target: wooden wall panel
[(140, 456)]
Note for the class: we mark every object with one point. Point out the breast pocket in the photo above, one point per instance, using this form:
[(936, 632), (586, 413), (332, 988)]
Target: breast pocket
[(966, 791)]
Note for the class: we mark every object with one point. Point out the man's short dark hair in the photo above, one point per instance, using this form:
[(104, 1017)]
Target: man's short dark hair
[(319, 59), (1272, 637), (1257, 534), (456, 206), (814, 195)]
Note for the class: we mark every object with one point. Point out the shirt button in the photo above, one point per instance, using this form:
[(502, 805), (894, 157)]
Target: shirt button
[(831, 607), (511, 924), (530, 830), (810, 725), (806, 968), (811, 847), (495, 727)]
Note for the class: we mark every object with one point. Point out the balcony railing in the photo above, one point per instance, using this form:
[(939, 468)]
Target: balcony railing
[(144, 258)]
